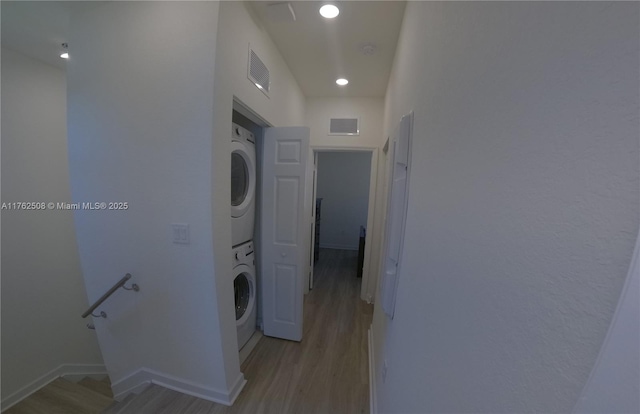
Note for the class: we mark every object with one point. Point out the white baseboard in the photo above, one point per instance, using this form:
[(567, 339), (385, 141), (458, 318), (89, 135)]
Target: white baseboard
[(337, 246), (237, 388), (70, 371), (373, 397), (142, 378), (133, 383), (79, 377)]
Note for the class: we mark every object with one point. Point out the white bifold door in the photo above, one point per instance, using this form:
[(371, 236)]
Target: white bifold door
[(285, 230)]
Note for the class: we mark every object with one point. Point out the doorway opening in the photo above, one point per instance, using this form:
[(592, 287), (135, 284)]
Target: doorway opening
[(245, 185), (343, 194), (279, 237)]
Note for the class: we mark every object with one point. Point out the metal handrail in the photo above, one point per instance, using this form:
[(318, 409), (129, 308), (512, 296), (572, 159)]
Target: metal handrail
[(109, 292)]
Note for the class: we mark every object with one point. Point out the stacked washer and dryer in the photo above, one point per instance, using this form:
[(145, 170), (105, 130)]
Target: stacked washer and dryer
[(243, 196)]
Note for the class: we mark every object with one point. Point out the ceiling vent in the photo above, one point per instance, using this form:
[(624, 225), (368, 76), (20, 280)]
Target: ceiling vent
[(281, 12), (344, 126), (258, 73)]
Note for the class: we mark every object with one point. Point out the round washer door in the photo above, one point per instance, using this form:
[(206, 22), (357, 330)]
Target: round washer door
[(244, 289), (243, 179)]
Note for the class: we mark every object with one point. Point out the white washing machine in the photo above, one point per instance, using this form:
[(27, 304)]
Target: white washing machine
[(243, 185), (244, 287)]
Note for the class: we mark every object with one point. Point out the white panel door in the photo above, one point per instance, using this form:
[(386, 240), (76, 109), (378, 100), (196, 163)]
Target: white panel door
[(284, 230), (396, 212), (312, 247)]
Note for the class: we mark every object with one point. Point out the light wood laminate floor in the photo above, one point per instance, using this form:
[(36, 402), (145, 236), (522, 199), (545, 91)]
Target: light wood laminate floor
[(328, 371), (65, 397), (325, 373)]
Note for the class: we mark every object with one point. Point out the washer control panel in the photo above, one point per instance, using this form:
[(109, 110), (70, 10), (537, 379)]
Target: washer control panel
[(243, 254)]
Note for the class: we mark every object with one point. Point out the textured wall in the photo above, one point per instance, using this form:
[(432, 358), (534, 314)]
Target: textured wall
[(523, 205), (140, 94), (615, 380), (42, 288)]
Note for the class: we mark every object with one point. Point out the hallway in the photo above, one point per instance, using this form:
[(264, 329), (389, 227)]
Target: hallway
[(326, 373), (328, 370)]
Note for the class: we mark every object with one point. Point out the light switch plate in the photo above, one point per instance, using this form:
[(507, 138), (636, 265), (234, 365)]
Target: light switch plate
[(180, 233)]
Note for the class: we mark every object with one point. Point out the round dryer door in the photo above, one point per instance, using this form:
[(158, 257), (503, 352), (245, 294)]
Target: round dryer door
[(239, 179), (244, 296), (243, 179)]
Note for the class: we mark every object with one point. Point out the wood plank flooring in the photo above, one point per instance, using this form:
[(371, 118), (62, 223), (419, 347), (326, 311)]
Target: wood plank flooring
[(328, 371), (101, 387), (325, 373), (65, 397)]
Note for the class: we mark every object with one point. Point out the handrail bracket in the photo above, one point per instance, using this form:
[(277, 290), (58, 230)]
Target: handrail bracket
[(118, 285), (133, 287)]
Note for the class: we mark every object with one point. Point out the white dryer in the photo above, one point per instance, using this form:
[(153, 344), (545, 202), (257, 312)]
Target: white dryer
[(244, 288), (243, 185)]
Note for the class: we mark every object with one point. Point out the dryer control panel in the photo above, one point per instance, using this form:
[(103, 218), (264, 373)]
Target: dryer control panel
[(242, 134)]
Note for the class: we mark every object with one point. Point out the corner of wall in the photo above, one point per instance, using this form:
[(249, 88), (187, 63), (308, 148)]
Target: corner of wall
[(142, 378)]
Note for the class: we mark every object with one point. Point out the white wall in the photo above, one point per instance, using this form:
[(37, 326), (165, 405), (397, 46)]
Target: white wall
[(370, 111), (372, 136), (42, 288), (140, 90), (237, 28), (614, 383), (523, 204), (343, 184)]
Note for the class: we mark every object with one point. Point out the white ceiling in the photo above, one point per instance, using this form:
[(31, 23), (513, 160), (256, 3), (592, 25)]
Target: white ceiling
[(38, 28), (318, 51)]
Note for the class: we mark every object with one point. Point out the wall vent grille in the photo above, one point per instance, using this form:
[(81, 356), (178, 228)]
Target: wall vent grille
[(344, 126), (259, 73)]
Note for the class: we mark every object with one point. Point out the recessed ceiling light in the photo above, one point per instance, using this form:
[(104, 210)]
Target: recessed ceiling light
[(329, 11), (342, 81), (65, 55)]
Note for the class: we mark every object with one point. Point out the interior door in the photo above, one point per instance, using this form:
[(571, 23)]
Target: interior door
[(312, 247), (284, 230), (396, 212)]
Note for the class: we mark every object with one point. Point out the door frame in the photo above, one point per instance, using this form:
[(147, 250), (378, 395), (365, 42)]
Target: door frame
[(368, 280)]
